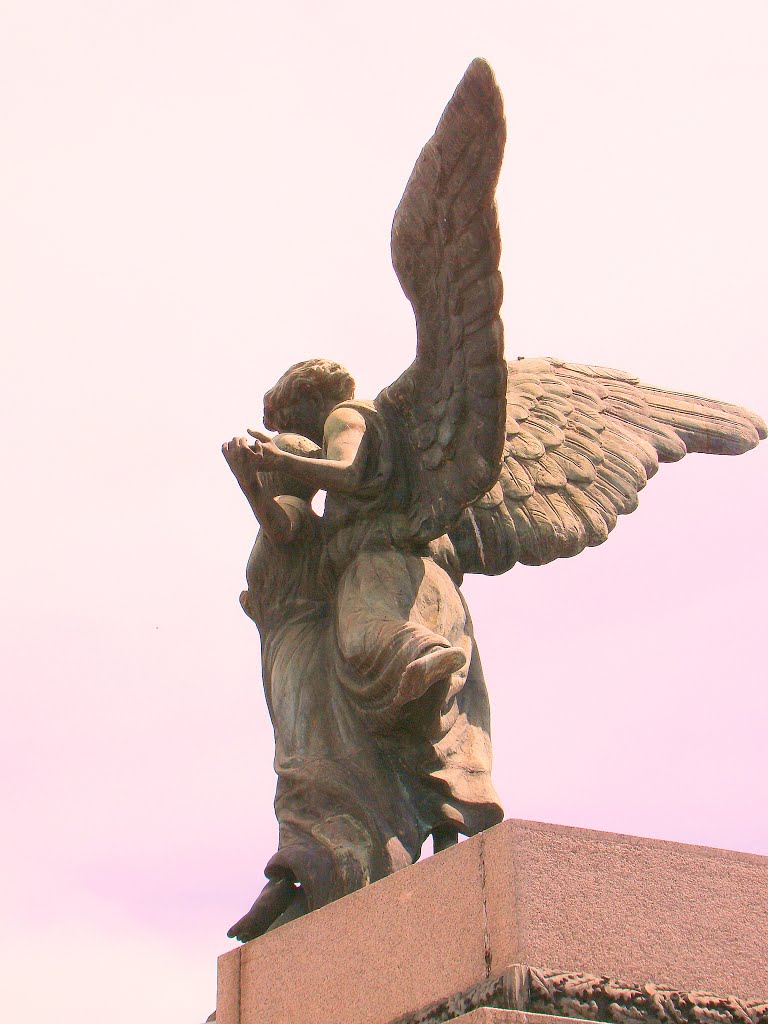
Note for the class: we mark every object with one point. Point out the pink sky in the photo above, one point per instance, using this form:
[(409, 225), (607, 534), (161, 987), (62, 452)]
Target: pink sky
[(195, 195)]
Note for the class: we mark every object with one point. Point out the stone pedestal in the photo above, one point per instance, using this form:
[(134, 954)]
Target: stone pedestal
[(505, 927), (490, 1015)]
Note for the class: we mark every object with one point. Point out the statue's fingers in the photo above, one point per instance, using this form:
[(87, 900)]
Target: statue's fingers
[(259, 435)]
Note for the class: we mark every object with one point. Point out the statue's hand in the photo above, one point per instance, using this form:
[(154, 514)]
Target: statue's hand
[(244, 460), (271, 456)]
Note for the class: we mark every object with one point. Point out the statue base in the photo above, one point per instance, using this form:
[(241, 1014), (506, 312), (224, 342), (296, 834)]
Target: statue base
[(525, 922)]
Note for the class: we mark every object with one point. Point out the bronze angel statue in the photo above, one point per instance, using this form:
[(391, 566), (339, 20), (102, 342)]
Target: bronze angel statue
[(466, 464)]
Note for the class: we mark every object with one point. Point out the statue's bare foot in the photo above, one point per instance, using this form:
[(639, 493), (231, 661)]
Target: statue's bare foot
[(273, 900), (438, 664), (298, 907)]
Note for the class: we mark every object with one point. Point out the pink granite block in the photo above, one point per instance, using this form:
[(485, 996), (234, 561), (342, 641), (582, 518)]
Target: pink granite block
[(228, 988), (490, 1015), (635, 910), (376, 954)]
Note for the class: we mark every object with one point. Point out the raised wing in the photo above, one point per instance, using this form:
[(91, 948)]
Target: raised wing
[(581, 443), (449, 405)]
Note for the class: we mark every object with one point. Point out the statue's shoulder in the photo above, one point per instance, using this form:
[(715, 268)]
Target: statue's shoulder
[(354, 410), (355, 416)]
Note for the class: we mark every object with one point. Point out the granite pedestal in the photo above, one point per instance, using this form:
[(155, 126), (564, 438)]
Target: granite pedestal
[(506, 926)]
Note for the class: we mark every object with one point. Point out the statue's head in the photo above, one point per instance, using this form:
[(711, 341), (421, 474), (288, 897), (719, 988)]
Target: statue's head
[(303, 398), (281, 483)]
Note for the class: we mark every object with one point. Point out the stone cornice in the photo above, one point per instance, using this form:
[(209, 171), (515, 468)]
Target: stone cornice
[(585, 997)]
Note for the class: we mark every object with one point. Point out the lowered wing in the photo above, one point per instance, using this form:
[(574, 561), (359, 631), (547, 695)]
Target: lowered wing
[(581, 443)]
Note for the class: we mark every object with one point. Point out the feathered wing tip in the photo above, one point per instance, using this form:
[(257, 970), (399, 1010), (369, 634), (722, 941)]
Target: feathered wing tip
[(705, 425), (582, 441), (680, 422), (479, 93), (451, 190), (450, 403)]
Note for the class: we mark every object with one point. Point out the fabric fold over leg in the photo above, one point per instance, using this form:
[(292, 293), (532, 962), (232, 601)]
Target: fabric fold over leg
[(394, 611)]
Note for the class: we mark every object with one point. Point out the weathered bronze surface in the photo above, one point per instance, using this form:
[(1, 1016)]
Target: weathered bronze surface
[(464, 464)]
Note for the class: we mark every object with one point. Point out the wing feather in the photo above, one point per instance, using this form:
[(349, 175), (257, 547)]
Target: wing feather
[(582, 442), (449, 405), (577, 469)]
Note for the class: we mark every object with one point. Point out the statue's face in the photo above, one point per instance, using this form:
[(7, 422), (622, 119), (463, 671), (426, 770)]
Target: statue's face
[(303, 398), (306, 416)]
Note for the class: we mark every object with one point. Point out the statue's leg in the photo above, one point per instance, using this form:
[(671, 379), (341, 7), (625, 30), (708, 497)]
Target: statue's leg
[(444, 836), (437, 664), (272, 902), (392, 610)]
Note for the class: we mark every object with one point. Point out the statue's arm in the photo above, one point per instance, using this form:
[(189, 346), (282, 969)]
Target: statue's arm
[(340, 472), (280, 523)]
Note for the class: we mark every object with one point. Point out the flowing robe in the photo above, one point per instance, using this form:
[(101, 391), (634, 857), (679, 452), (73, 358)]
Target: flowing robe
[(353, 802)]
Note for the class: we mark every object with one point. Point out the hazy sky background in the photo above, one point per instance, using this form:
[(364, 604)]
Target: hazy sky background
[(195, 195)]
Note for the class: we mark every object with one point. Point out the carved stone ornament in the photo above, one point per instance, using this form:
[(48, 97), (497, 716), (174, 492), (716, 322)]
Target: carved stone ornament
[(585, 997), (465, 464)]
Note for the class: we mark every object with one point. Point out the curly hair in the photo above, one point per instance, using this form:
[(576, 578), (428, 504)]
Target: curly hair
[(292, 404)]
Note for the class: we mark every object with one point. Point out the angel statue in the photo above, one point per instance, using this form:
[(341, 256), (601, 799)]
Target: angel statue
[(466, 464)]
